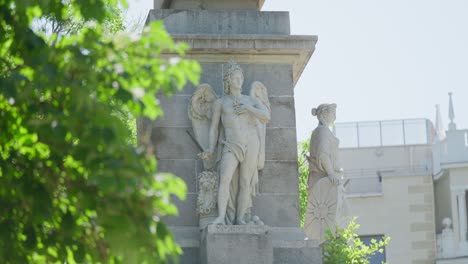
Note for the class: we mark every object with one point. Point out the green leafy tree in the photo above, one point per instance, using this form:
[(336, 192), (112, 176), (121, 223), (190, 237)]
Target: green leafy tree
[(72, 186), (345, 247), (303, 162)]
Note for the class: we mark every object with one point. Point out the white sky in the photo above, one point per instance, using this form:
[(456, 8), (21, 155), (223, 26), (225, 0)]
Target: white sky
[(377, 60)]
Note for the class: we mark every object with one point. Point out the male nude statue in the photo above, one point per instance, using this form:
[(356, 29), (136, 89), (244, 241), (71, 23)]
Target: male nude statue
[(238, 115)]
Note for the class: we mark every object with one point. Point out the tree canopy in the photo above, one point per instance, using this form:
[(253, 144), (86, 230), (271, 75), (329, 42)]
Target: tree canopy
[(73, 188)]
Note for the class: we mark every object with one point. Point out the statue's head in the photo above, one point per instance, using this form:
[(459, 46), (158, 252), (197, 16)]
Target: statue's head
[(233, 77), (326, 113)]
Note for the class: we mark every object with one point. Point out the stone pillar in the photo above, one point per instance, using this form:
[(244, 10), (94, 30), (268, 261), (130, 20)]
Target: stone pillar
[(263, 46), (462, 215), (463, 246)]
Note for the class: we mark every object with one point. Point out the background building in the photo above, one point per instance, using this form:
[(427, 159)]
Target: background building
[(408, 181)]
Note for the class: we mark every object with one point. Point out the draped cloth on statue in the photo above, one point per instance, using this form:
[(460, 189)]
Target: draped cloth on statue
[(326, 205), (326, 147), (241, 153)]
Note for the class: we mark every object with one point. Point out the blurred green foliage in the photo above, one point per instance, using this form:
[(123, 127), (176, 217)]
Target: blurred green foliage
[(73, 187)]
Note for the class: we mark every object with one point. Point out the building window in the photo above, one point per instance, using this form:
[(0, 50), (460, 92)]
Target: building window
[(378, 257)]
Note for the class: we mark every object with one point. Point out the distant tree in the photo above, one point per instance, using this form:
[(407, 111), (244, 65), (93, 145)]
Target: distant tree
[(72, 186)]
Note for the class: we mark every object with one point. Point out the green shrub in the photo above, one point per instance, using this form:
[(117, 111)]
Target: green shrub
[(345, 247)]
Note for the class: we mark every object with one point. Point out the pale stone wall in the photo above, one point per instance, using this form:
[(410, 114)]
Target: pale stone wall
[(443, 203), (458, 178), (404, 210)]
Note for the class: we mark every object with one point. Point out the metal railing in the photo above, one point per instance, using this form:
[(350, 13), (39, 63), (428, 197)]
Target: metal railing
[(364, 182), (384, 133)]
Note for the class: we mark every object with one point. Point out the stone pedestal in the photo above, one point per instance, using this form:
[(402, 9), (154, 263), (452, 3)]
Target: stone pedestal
[(286, 244), (236, 244)]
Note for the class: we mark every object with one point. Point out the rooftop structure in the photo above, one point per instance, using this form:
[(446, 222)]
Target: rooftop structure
[(385, 133)]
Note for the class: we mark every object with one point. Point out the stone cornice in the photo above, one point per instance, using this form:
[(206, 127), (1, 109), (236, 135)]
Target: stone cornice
[(251, 48)]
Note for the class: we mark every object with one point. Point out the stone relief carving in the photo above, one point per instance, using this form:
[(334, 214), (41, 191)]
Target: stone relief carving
[(231, 132), (325, 185), (199, 112), (207, 192)]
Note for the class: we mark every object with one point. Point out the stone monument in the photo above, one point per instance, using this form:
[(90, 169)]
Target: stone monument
[(325, 185), (236, 128), (236, 151)]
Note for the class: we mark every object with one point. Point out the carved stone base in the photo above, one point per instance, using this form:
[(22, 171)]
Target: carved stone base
[(236, 244), (241, 242), (324, 209)]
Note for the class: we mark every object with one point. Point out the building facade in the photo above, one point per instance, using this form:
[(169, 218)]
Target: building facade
[(409, 181)]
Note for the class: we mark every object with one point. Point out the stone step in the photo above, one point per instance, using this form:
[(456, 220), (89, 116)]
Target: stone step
[(246, 244)]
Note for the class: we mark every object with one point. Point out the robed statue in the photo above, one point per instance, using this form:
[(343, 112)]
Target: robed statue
[(231, 132), (325, 205)]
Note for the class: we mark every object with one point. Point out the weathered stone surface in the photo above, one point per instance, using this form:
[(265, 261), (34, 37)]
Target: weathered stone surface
[(251, 49), (281, 144), (297, 255), (191, 255), (211, 73), (175, 112), (289, 237), (209, 4), (185, 169), (173, 143), (236, 244), (289, 246), (279, 177), (282, 112), (187, 212), (222, 22), (277, 209), (186, 236), (276, 77)]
